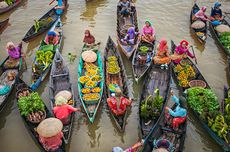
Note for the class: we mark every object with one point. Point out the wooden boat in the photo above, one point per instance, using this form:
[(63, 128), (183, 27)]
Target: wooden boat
[(139, 69), (31, 127), (91, 107), (4, 80), (163, 130), (39, 72), (156, 78), (201, 34), (10, 7), (122, 27), (3, 23), (46, 22), (217, 34), (199, 76), (229, 66), (120, 79), (59, 81)]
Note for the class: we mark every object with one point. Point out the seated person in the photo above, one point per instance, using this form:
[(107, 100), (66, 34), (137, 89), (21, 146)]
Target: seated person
[(52, 38), (163, 144), (162, 57), (181, 52), (130, 36), (179, 114), (60, 6), (125, 7), (201, 14), (148, 32), (216, 13), (13, 51), (117, 103), (89, 41)]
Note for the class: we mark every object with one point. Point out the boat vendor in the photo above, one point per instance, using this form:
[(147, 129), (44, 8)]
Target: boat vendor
[(13, 51), (162, 56), (62, 110), (148, 32), (60, 6), (162, 145), (117, 103), (181, 52), (201, 14), (216, 13), (89, 39), (130, 36), (125, 7), (50, 133), (131, 149), (52, 38), (179, 114)]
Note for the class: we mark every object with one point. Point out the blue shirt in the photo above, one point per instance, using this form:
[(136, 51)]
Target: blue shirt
[(178, 112), (215, 12)]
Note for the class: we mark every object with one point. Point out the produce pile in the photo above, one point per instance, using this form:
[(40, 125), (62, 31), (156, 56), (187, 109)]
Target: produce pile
[(31, 106), (185, 72), (144, 49), (90, 82), (204, 102), (225, 40), (151, 107), (42, 23), (44, 58), (113, 66)]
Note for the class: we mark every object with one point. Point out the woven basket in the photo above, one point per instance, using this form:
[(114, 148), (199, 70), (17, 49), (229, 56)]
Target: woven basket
[(197, 83)]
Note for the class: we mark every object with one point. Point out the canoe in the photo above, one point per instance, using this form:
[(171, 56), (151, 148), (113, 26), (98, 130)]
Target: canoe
[(91, 107), (39, 72), (3, 23), (163, 131), (229, 66), (217, 34), (4, 10), (201, 34), (199, 76), (4, 80), (156, 78), (48, 20), (140, 69), (122, 27), (32, 126), (120, 79), (59, 81)]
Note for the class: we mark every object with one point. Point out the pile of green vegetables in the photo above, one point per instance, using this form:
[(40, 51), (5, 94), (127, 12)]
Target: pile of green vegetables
[(42, 23), (30, 103), (205, 103), (144, 49), (152, 107), (225, 40), (44, 58), (9, 2)]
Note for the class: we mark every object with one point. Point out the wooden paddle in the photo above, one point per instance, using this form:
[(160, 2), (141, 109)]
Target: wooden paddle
[(194, 54)]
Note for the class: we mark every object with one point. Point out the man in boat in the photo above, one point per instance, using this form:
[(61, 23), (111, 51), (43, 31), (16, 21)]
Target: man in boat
[(179, 114), (52, 38), (181, 52), (125, 7), (130, 36), (148, 32), (216, 13), (201, 14), (162, 57), (117, 103), (62, 110), (60, 7)]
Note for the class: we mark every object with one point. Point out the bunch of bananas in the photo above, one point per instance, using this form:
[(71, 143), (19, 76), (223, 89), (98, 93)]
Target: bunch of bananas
[(178, 68), (84, 79), (96, 78), (96, 90), (182, 76), (91, 97), (184, 83), (112, 58), (190, 71), (90, 84), (219, 126), (85, 90), (113, 67), (91, 72)]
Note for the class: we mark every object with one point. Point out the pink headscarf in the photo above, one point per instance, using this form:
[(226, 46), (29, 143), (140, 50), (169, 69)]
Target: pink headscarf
[(163, 45), (201, 13)]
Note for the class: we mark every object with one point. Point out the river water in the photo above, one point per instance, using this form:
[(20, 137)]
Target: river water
[(171, 21)]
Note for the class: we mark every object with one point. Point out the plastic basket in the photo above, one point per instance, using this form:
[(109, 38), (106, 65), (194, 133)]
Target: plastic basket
[(197, 83)]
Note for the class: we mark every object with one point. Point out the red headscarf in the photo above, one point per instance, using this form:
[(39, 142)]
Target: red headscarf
[(184, 41), (89, 39), (163, 45)]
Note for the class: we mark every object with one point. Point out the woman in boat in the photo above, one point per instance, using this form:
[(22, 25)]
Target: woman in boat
[(216, 13), (181, 52), (89, 39), (117, 103), (179, 114), (60, 7), (201, 14), (13, 51), (162, 145), (52, 38), (162, 56), (125, 7), (148, 32), (62, 110), (130, 36)]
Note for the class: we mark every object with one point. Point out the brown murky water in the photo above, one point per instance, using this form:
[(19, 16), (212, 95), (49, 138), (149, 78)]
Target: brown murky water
[(170, 19)]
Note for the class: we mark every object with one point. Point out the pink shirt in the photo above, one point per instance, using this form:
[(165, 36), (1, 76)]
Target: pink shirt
[(148, 30), (63, 111), (51, 143)]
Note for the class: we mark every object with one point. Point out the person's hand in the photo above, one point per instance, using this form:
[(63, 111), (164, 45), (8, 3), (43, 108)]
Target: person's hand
[(171, 93), (20, 44), (166, 109), (78, 109)]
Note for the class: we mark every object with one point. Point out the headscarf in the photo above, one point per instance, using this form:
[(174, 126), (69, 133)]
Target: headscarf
[(217, 4), (163, 45), (184, 41), (147, 20), (131, 32), (89, 39), (9, 44), (203, 8), (51, 33)]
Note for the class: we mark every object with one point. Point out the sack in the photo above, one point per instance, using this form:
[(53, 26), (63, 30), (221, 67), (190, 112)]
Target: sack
[(198, 24), (3, 4), (223, 28)]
